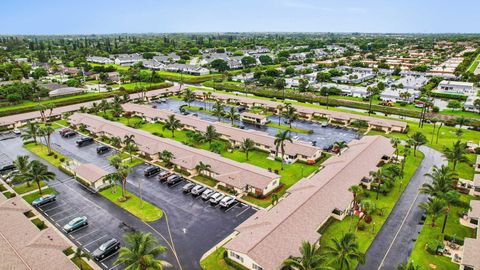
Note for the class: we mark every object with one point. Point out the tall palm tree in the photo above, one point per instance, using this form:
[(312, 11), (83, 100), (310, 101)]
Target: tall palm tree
[(395, 142), (443, 181), (379, 177), (410, 266), (232, 115), (406, 152), (47, 132), (358, 193), (38, 173), (462, 121), (368, 208), (202, 168), (123, 172), (280, 139), (280, 108), (290, 113), (457, 153), (140, 252), (188, 97), (172, 124), (79, 254), (218, 109), (310, 259), (433, 207), (344, 251), (131, 148), (210, 135), (166, 156), (31, 133), (127, 139), (416, 140), (247, 145), (22, 165), (116, 141), (339, 145), (104, 106), (113, 179), (116, 161)]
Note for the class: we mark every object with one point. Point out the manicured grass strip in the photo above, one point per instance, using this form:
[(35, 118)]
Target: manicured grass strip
[(24, 188), (42, 151), (122, 155), (215, 261), (148, 212), (82, 264), (134, 162), (286, 127), (33, 196)]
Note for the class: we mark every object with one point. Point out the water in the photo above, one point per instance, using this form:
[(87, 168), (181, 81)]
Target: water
[(323, 136)]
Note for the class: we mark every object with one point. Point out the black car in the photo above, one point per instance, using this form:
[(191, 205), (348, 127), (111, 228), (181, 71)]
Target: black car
[(84, 141), (151, 171), (106, 249), (163, 175), (173, 179), (7, 168), (69, 134), (102, 149)]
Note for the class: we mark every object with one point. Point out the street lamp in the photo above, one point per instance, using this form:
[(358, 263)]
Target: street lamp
[(326, 94)]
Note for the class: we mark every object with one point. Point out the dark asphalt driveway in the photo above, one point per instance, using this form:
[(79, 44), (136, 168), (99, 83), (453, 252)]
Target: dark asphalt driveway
[(395, 241)]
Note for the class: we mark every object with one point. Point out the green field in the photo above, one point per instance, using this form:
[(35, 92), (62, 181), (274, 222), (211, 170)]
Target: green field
[(42, 151), (24, 188), (474, 64), (35, 195)]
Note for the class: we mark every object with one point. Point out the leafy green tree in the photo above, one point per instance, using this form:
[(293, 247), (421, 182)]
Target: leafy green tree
[(38, 173), (31, 132), (247, 145), (433, 207), (131, 149), (210, 134), (79, 255), (344, 251), (232, 115), (265, 59), (457, 153), (202, 168), (219, 64), (417, 139), (167, 156), (172, 124), (248, 61), (410, 266), (280, 139), (218, 109), (310, 259), (290, 113), (188, 97)]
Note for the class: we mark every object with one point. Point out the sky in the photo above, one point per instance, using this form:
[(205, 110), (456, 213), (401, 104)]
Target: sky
[(161, 16)]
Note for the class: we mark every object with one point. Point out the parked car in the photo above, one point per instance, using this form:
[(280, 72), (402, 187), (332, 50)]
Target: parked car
[(227, 201), (198, 189), (7, 168), (151, 171), (17, 131), (207, 194), (102, 149), (64, 131), (69, 134), (75, 224), (106, 249), (173, 179), (84, 141), (188, 187), (163, 175), (44, 199), (216, 198)]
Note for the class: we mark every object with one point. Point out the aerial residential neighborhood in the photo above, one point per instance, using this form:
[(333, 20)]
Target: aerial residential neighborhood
[(260, 135)]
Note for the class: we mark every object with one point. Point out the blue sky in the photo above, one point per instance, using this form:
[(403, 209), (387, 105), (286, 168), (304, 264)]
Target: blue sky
[(141, 16)]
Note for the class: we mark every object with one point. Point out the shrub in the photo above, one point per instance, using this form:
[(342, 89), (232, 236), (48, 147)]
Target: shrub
[(55, 156), (453, 239), (361, 227), (69, 251), (62, 159), (433, 245)]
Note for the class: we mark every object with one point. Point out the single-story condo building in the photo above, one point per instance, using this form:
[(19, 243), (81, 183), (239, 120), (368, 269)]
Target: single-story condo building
[(91, 176), (65, 91), (454, 87), (258, 119), (470, 259), (469, 104), (269, 237), (395, 95)]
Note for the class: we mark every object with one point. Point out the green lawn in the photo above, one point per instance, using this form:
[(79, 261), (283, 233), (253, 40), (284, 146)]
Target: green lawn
[(24, 188), (474, 64), (384, 205), (466, 170), (215, 261), (428, 261), (122, 155), (42, 151), (81, 263), (148, 212), (134, 162), (35, 195)]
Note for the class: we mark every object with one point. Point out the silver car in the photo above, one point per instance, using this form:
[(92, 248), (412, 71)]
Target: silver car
[(207, 194), (198, 189), (216, 198)]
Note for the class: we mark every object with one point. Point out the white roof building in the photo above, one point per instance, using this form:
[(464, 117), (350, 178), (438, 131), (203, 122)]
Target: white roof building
[(454, 87)]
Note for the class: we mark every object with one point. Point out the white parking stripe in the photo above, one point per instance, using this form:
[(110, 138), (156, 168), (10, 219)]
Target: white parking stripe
[(62, 211), (95, 240), (87, 234), (239, 214), (69, 216), (49, 209)]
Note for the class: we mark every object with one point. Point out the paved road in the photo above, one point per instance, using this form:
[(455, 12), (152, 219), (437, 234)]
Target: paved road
[(396, 239)]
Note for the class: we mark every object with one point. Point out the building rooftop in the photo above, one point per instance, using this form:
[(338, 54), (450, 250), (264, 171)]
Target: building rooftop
[(90, 172), (471, 251)]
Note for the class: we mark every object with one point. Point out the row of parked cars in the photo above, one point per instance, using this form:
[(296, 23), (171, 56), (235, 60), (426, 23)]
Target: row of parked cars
[(206, 194), (103, 251), (84, 141)]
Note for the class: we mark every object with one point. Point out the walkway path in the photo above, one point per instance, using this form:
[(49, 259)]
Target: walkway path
[(396, 239)]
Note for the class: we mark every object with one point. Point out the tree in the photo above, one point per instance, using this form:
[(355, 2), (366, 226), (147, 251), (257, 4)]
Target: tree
[(406, 152), (104, 106), (218, 109), (410, 266), (433, 207), (202, 168), (31, 133), (123, 172), (249, 61), (310, 259), (454, 104), (127, 139), (265, 59), (116, 141), (210, 134), (379, 177), (290, 114), (339, 145), (372, 91), (140, 252), (232, 114), (219, 64), (457, 153), (462, 121), (39, 72), (38, 173), (22, 165), (358, 193), (280, 139), (172, 124), (113, 179), (442, 181), (368, 208), (416, 140), (166, 156), (247, 145), (131, 148), (345, 251), (280, 83), (395, 142), (79, 254), (116, 161), (188, 96), (47, 132)]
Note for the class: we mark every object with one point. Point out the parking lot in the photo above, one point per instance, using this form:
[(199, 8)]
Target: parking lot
[(190, 226)]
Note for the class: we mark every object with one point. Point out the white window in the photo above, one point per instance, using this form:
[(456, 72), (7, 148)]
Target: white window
[(256, 267)]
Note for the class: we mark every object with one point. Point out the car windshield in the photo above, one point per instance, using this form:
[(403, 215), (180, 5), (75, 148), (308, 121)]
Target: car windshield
[(104, 246), (73, 221)]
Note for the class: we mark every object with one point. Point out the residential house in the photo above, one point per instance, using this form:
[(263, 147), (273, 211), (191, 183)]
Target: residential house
[(454, 87), (91, 176)]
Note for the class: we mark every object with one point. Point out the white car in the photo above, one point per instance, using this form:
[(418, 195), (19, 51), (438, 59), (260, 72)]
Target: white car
[(216, 198), (17, 131), (198, 189), (227, 201), (207, 194)]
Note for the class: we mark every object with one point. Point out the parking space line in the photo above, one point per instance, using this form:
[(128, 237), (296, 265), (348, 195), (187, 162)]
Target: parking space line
[(87, 234), (95, 240), (64, 210), (113, 267), (239, 214), (231, 207), (46, 210), (69, 216)]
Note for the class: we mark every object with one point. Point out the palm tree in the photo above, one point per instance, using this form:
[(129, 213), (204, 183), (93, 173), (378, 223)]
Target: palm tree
[(131, 148), (372, 91), (127, 139), (113, 179), (280, 139), (280, 108), (123, 172), (22, 165), (79, 254), (310, 259), (434, 207), (395, 142), (339, 145), (291, 114), (344, 251), (442, 181), (451, 198), (104, 106), (31, 132), (410, 266), (166, 156), (457, 153), (172, 124), (232, 115), (188, 96), (247, 145), (38, 173), (210, 134), (47, 132), (379, 177), (116, 161), (358, 193), (202, 168), (218, 109), (406, 152), (368, 208), (416, 140), (462, 121), (116, 141), (140, 252)]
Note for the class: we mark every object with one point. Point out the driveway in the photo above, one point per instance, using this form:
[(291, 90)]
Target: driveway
[(395, 241)]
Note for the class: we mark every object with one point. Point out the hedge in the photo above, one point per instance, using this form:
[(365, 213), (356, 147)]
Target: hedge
[(449, 96)]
